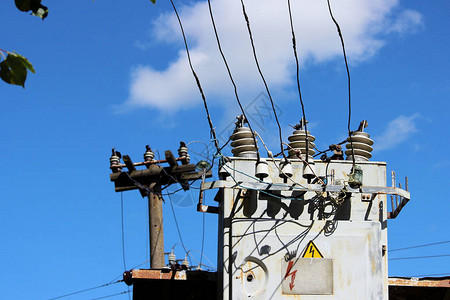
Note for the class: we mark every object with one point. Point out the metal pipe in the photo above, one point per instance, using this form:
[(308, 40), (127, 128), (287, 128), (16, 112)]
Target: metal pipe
[(392, 203)]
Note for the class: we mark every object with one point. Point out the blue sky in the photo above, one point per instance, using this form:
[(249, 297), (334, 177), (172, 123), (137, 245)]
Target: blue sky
[(114, 74)]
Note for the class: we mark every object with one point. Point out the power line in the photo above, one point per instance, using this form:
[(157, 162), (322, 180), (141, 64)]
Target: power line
[(420, 257), (262, 76), (176, 223), (203, 238), (123, 237), (231, 78), (294, 46), (419, 246), (208, 116), (121, 275), (117, 294), (123, 232), (204, 255), (85, 290), (348, 79)]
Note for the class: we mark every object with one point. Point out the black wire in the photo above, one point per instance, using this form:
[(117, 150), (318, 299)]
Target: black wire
[(229, 139), (326, 173), (85, 290), (123, 231), (348, 80), (231, 78), (176, 191), (419, 257), (117, 294), (419, 246), (176, 223), (324, 151), (262, 76), (203, 239), (123, 237), (294, 46), (211, 127)]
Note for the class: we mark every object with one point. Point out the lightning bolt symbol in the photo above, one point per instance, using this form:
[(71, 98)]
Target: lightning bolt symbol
[(311, 250), (292, 274)]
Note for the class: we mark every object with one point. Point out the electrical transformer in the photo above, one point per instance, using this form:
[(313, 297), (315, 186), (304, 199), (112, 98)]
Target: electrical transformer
[(292, 229)]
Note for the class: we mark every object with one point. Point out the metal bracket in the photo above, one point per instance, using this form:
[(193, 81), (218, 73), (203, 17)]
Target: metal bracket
[(396, 205)]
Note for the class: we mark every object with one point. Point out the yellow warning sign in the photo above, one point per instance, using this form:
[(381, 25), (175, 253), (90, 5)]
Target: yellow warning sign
[(312, 251)]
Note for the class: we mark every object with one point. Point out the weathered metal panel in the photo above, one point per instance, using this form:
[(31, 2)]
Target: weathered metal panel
[(354, 247), (262, 230), (307, 276)]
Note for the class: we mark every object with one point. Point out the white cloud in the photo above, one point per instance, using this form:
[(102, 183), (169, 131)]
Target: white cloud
[(363, 22), (396, 132), (407, 20)]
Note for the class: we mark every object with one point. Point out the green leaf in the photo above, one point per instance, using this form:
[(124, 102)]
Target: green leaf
[(25, 62), (13, 69), (153, 1), (23, 5), (37, 9)]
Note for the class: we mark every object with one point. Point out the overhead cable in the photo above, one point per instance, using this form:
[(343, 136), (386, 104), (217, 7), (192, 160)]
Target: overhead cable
[(113, 295), (204, 255), (85, 290), (203, 238), (262, 76), (420, 257), (348, 79), (123, 232), (176, 224), (294, 46), (419, 246), (197, 80), (231, 78)]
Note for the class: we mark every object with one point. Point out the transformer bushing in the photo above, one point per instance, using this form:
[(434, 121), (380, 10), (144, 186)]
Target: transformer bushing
[(243, 143), (114, 161), (298, 142), (183, 151), (148, 155), (362, 144)]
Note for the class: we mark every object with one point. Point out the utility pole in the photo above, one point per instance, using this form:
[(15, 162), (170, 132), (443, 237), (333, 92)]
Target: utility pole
[(149, 182), (156, 229)]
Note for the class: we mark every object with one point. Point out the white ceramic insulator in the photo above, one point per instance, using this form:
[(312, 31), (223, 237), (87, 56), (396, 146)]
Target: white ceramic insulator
[(298, 143), (182, 151), (186, 262), (148, 156), (172, 258), (362, 146), (223, 171), (286, 169), (243, 143), (308, 171), (262, 169), (114, 160)]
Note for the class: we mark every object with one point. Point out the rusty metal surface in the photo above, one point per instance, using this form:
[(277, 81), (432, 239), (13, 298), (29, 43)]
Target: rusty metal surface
[(419, 282), (158, 274)]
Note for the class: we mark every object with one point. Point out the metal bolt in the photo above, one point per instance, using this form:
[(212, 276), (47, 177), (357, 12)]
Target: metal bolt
[(249, 277)]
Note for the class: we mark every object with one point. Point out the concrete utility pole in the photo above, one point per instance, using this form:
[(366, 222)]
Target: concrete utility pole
[(156, 229)]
